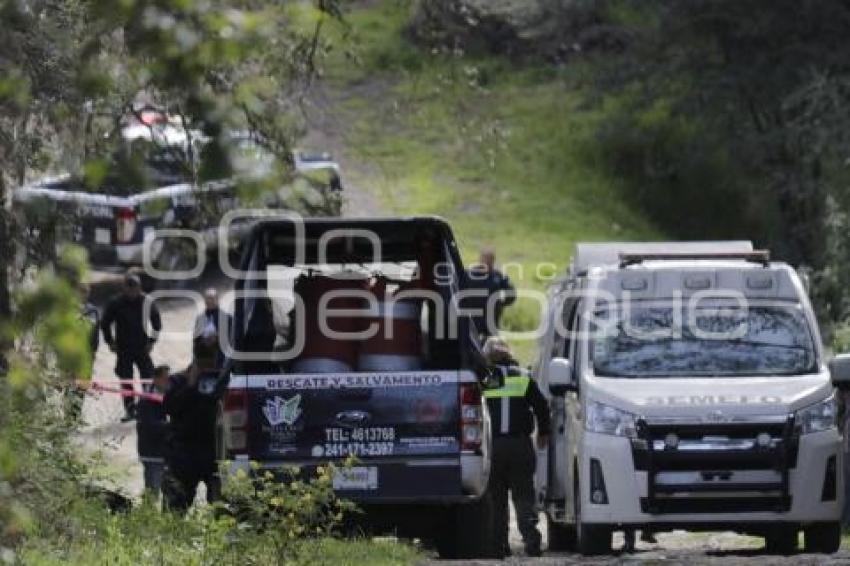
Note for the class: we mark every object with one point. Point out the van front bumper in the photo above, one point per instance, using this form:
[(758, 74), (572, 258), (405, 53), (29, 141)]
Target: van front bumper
[(814, 486)]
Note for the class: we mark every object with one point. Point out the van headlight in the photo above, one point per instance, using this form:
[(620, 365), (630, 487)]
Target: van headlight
[(818, 417), (609, 420)]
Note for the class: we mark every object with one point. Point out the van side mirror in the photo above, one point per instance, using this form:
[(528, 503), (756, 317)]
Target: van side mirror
[(839, 370), (561, 376)]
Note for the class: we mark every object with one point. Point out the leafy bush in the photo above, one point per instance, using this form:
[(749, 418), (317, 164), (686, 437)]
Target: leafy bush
[(260, 520), (280, 508), (841, 339), (55, 508)]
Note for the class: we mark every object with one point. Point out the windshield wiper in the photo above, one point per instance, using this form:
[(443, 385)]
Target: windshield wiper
[(768, 344)]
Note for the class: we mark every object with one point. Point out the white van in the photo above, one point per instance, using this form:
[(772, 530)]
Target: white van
[(688, 391)]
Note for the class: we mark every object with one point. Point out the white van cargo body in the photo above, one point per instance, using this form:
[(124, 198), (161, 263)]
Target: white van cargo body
[(689, 391)]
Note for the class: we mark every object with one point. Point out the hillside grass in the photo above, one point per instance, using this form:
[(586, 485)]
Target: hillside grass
[(498, 149)]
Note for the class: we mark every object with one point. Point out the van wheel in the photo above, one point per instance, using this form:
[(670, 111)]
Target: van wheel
[(591, 540), (561, 537), (594, 540), (468, 531), (781, 540), (822, 538)]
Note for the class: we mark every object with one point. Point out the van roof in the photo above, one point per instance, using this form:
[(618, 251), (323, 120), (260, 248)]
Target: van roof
[(608, 254)]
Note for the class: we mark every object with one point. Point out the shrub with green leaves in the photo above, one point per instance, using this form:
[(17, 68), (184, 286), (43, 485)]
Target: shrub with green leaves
[(281, 506), (261, 520)]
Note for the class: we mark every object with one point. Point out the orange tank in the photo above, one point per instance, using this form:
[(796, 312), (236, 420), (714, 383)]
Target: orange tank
[(397, 344), (322, 353)]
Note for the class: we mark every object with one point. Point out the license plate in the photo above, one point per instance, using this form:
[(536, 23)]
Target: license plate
[(358, 477), (102, 236)]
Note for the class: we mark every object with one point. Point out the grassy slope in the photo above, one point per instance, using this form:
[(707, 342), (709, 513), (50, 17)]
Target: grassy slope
[(497, 149)]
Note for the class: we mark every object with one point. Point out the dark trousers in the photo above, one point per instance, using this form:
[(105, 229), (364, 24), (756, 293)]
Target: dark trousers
[(153, 472), (513, 470), (180, 484), (124, 370)]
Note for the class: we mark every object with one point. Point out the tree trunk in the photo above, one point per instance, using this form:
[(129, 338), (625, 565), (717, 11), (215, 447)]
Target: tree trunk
[(6, 253)]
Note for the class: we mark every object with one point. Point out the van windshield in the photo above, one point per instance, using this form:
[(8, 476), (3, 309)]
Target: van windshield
[(662, 341)]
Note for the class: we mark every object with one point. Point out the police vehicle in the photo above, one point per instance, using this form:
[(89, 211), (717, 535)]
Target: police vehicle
[(347, 343), (689, 390), (115, 221)]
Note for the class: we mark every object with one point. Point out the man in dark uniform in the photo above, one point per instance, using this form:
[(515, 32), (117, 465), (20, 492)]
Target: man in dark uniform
[(131, 341), (191, 403), (211, 325), (484, 281), (513, 409), (151, 430)]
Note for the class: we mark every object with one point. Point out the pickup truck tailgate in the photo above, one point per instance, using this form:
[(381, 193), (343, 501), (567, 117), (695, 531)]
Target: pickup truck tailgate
[(403, 427)]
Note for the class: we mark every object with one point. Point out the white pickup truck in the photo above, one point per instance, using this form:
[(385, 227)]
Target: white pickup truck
[(114, 221)]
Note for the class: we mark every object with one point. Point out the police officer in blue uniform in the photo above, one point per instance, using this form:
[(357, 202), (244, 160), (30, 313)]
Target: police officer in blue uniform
[(487, 292), (513, 408), (191, 403)]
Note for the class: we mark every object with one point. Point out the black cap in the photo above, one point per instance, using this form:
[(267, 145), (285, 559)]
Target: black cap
[(132, 280)]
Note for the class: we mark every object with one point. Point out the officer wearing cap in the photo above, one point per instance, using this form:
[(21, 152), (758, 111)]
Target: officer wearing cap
[(191, 403), (131, 340), (513, 409)]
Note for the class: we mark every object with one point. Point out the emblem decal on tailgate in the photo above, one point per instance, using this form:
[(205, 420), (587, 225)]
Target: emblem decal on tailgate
[(283, 411)]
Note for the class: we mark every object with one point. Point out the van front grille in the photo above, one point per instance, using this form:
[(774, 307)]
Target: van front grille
[(716, 467)]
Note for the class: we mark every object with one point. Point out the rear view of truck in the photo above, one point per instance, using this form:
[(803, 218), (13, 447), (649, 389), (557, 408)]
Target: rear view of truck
[(346, 343)]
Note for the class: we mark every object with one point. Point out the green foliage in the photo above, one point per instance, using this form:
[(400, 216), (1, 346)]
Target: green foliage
[(49, 312), (498, 149), (73, 73), (841, 339), (261, 520), (728, 119), (675, 167), (283, 506)]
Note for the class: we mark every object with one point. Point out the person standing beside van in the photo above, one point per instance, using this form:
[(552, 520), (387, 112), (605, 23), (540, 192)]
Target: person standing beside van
[(487, 289), (513, 409)]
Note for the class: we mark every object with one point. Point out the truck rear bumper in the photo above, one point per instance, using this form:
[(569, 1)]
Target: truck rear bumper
[(129, 254), (119, 255), (435, 480), (815, 488)]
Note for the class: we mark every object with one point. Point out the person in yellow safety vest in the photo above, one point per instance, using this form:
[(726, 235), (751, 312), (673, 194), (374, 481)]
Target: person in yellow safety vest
[(513, 409)]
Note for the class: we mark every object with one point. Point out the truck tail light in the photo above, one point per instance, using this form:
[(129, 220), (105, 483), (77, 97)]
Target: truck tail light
[(471, 417), (125, 225), (236, 420)]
